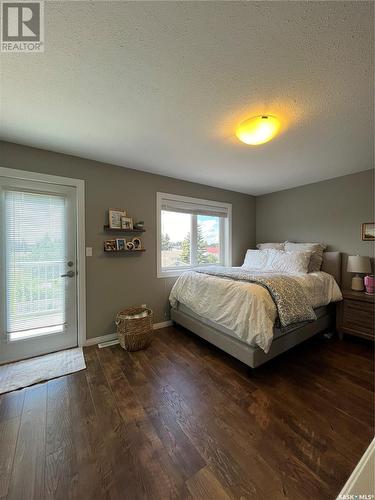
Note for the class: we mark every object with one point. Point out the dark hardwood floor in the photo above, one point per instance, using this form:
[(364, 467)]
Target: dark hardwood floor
[(184, 420)]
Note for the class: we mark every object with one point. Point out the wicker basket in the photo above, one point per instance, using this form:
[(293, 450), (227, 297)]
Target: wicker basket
[(134, 328)]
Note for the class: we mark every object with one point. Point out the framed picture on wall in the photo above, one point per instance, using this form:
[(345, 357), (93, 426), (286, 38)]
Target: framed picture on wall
[(114, 216), (368, 231)]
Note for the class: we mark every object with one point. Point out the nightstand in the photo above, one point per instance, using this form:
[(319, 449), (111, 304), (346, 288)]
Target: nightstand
[(356, 314)]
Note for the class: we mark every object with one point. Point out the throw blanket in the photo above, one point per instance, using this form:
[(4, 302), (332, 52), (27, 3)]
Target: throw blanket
[(288, 295)]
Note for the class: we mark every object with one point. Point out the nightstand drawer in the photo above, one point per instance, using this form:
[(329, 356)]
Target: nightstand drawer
[(358, 315)]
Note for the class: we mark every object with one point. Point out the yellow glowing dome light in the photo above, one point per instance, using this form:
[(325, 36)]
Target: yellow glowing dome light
[(258, 130)]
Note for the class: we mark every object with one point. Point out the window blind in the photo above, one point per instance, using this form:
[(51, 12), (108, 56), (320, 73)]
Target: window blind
[(185, 207), (34, 261)]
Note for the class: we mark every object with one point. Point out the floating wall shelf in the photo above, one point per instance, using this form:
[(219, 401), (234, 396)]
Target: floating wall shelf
[(112, 230), (125, 251)]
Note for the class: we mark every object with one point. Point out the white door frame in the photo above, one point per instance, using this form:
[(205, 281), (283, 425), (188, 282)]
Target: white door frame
[(79, 184)]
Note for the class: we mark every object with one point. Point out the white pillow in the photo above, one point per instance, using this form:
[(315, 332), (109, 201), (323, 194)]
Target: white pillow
[(271, 260), (255, 260), (275, 246), (316, 250), (288, 262)]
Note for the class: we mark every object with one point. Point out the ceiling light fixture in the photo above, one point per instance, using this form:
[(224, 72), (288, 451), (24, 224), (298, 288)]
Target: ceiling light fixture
[(258, 130)]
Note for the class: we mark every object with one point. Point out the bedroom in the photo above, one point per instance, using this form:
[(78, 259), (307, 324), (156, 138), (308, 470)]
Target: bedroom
[(123, 127)]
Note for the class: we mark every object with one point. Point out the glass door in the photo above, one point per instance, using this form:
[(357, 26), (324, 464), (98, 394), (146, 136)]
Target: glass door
[(38, 271)]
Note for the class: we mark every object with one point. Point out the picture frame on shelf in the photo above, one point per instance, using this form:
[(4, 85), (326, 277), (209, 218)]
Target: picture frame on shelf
[(126, 223), (137, 242), (110, 246), (115, 216), (120, 244)]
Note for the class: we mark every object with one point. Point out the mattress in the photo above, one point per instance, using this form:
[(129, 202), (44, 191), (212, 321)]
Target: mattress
[(320, 312)]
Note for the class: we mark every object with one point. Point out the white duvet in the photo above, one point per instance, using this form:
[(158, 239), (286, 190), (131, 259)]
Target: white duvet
[(246, 308)]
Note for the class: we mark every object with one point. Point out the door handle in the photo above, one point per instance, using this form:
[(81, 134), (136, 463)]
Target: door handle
[(69, 274)]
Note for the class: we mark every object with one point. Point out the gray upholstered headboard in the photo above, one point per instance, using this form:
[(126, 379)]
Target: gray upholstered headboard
[(332, 265)]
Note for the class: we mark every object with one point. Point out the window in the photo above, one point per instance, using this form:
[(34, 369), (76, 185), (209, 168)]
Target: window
[(191, 233)]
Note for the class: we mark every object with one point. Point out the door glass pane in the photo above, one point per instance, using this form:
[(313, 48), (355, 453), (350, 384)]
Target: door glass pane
[(175, 239), (208, 239), (35, 259)]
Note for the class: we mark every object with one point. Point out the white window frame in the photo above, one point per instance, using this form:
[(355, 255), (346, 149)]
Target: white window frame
[(225, 233)]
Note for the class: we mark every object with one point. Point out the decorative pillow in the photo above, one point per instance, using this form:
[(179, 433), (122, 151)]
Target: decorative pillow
[(275, 246), (287, 262), (316, 250), (271, 260), (255, 260)]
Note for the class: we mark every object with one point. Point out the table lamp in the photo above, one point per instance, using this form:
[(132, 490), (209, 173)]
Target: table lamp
[(359, 265)]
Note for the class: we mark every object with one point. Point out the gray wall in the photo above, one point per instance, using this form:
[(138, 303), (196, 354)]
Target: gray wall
[(117, 281), (330, 212)]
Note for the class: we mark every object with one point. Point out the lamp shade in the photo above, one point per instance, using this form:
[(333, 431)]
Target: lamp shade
[(358, 264)]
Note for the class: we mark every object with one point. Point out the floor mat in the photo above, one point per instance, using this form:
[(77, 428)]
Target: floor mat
[(31, 371)]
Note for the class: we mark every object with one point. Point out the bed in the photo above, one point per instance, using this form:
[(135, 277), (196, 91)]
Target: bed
[(255, 341)]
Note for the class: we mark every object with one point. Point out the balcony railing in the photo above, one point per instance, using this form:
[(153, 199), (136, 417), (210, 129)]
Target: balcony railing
[(36, 294)]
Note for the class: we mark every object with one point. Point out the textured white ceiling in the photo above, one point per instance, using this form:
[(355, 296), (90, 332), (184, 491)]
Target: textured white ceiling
[(161, 86)]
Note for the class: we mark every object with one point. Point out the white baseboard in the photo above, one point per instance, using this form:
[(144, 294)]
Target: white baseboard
[(164, 324), (99, 340), (361, 482), (108, 343), (113, 336)]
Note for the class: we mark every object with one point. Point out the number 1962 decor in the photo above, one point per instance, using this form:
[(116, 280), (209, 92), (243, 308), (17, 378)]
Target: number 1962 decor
[(137, 242), (110, 246)]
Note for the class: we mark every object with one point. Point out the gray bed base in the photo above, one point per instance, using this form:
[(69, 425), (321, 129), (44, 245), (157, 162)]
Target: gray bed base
[(254, 356), (251, 356)]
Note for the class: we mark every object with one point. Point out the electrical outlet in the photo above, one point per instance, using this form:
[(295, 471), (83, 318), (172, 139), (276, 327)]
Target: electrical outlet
[(88, 251)]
